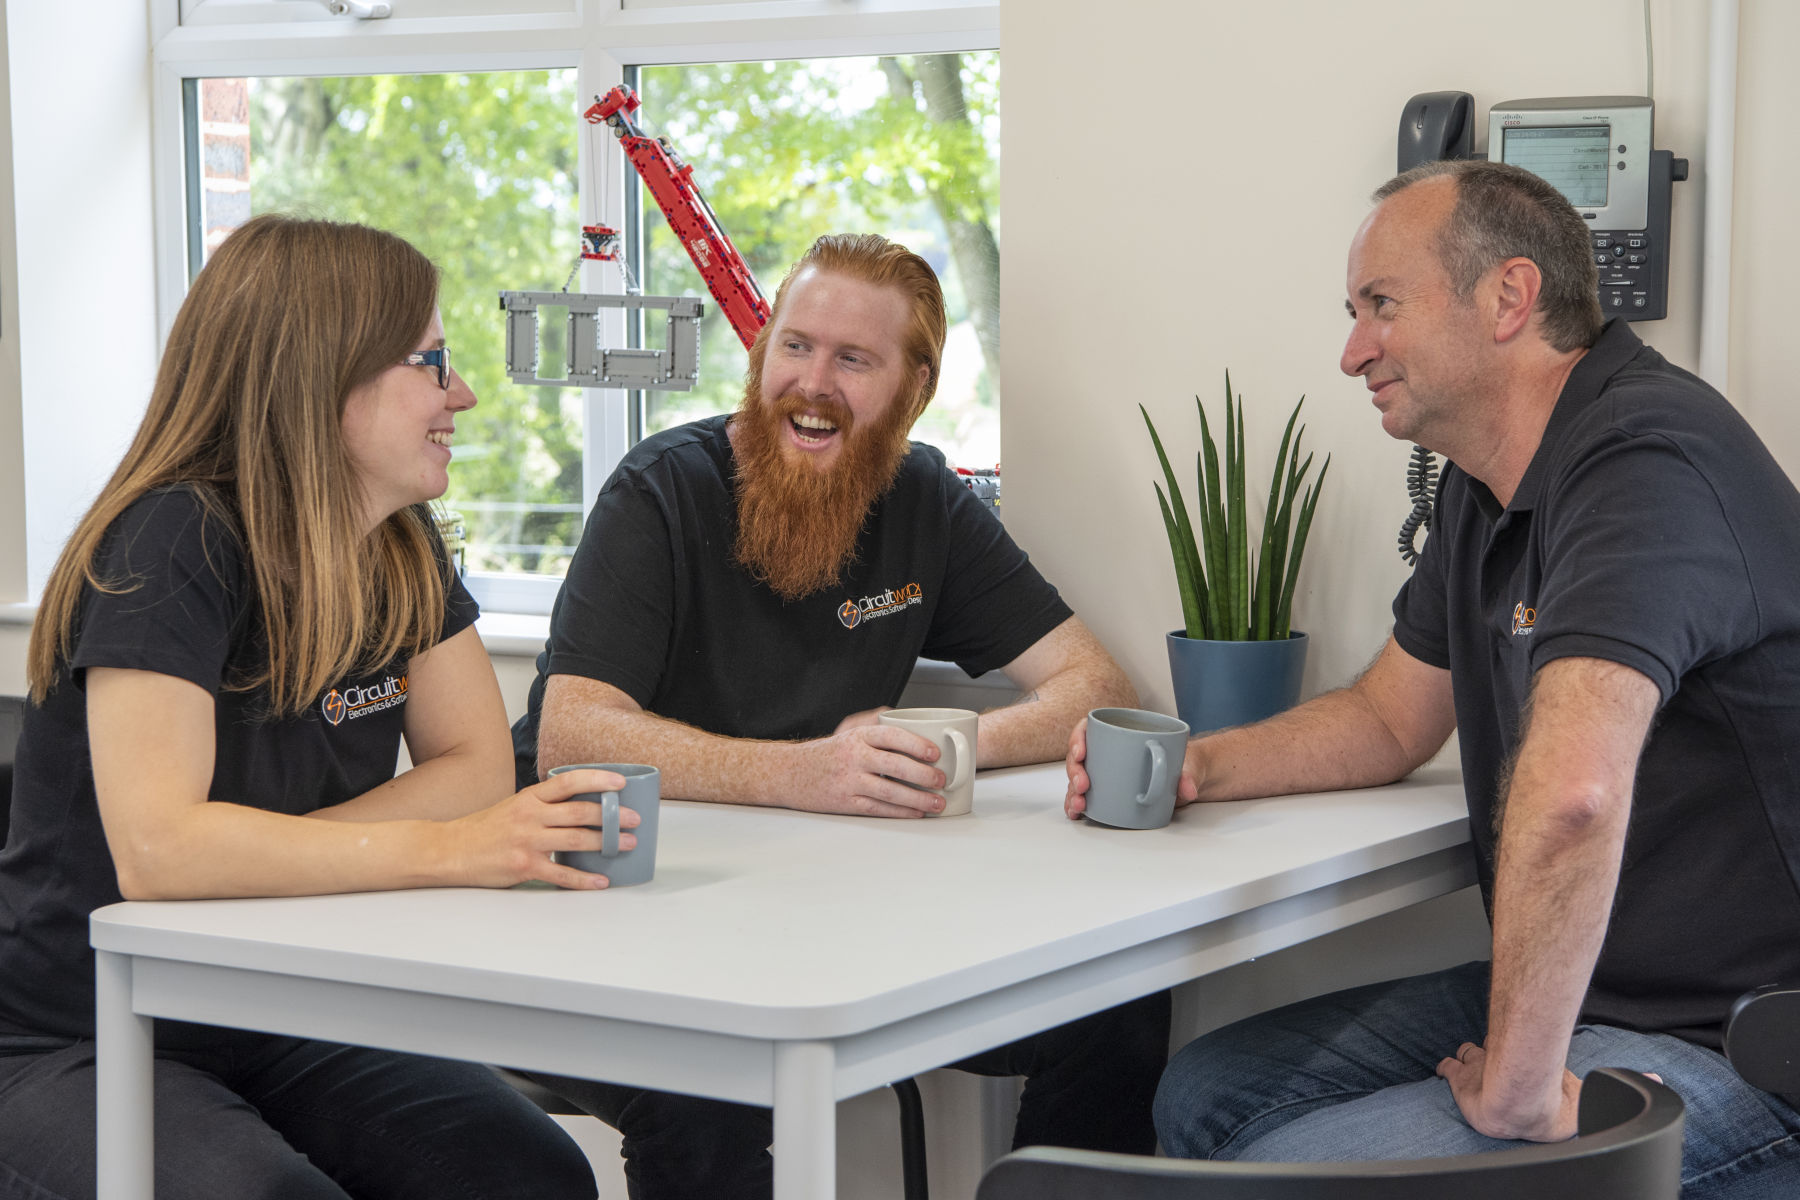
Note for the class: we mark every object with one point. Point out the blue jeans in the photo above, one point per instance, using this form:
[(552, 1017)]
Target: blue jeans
[(1088, 1086), (254, 1116), (1351, 1076)]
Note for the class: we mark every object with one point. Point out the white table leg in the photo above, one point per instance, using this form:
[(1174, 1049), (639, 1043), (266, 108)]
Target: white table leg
[(123, 1109), (805, 1121)]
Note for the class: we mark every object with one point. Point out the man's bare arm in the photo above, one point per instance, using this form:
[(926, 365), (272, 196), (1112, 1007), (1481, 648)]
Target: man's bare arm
[(1562, 837), (1063, 675), (855, 770), (1380, 728)]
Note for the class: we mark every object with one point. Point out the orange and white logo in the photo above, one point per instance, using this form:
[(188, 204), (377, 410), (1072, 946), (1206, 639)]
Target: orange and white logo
[(1523, 620), (355, 701), (867, 608)]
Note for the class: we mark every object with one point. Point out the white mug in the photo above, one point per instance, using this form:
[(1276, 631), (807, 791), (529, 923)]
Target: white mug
[(952, 731)]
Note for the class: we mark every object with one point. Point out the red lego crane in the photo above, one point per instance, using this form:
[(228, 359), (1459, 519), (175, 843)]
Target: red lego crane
[(671, 181)]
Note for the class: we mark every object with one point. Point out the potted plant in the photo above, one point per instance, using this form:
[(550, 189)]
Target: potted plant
[(1237, 659)]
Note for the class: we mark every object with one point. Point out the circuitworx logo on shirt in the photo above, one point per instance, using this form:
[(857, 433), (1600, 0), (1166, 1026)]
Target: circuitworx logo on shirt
[(355, 702), (854, 612)]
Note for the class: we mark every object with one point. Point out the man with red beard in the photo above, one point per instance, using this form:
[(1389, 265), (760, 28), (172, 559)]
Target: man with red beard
[(750, 592)]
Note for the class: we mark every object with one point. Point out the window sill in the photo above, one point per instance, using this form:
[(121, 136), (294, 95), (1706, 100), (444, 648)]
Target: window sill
[(513, 635), (522, 635)]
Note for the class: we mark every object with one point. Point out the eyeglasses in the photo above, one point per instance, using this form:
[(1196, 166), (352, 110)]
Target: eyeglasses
[(439, 358)]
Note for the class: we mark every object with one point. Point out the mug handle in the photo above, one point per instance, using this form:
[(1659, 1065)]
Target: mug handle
[(1159, 771), (965, 761), (609, 824)]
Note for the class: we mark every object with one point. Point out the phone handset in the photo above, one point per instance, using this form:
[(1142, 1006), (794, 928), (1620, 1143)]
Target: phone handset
[(1433, 125)]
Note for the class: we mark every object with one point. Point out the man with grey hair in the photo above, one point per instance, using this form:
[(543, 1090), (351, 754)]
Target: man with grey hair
[(1608, 612)]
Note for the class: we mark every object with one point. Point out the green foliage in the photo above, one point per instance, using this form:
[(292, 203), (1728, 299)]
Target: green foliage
[(478, 171), (1222, 599)]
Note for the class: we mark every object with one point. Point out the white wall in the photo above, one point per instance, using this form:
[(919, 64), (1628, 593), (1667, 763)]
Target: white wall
[(1180, 183), (1765, 354), (12, 447), (84, 337)]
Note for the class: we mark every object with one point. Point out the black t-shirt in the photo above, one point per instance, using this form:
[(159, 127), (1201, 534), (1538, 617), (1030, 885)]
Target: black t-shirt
[(655, 605), (1652, 529), (188, 614)]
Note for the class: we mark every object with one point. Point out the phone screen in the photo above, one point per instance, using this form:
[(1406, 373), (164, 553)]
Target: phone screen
[(1571, 158)]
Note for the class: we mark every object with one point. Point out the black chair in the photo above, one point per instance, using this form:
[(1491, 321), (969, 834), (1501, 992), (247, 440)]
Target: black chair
[(1629, 1148), (12, 716), (906, 1091), (1762, 1039)]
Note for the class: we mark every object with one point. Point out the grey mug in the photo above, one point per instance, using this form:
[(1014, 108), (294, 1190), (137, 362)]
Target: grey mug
[(642, 794), (1134, 760)]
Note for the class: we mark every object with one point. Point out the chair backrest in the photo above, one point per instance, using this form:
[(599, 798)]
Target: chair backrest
[(12, 718), (1629, 1148), (1762, 1038)]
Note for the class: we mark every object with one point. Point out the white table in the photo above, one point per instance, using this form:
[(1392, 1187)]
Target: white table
[(778, 957)]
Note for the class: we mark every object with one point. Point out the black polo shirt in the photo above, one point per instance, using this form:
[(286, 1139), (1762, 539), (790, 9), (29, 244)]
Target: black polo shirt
[(1652, 529), (189, 610), (654, 605)]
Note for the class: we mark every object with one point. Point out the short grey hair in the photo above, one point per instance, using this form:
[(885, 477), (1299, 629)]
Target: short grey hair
[(1503, 212)]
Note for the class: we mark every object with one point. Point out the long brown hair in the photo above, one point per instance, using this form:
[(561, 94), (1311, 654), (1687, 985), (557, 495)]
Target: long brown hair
[(286, 318)]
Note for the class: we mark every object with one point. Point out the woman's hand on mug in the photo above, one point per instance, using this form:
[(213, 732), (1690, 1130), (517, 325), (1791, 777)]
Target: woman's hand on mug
[(512, 841)]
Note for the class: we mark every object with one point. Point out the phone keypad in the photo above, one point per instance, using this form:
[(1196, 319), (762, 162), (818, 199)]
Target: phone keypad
[(1623, 260)]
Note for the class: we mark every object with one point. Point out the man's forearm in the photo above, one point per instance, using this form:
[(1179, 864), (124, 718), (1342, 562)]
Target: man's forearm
[(1377, 730), (1561, 844), (1035, 727), (695, 765)]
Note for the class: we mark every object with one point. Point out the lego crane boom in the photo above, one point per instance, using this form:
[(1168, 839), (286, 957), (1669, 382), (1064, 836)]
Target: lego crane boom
[(671, 181)]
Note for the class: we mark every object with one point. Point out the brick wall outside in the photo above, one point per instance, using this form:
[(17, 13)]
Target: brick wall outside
[(224, 157)]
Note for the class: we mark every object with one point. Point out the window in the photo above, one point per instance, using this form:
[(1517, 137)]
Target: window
[(906, 146), (478, 171), (479, 168)]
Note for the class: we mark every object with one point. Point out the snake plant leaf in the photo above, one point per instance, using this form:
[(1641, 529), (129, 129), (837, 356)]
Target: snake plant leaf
[(1190, 578), (1191, 618), (1213, 528), (1301, 529)]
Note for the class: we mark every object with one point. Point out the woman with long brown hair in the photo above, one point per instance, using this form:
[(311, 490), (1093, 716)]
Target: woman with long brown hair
[(252, 615)]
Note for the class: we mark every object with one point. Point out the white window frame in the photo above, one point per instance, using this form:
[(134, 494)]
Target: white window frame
[(599, 38)]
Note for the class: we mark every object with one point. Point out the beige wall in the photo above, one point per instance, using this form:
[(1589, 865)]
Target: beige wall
[(1765, 353), (1180, 184)]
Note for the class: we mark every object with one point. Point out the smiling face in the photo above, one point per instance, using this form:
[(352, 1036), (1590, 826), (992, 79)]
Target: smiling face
[(822, 430), (835, 363), (1417, 344), (398, 428)]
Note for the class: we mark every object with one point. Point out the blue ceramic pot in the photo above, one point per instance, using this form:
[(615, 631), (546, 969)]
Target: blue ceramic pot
[(1219, 684)]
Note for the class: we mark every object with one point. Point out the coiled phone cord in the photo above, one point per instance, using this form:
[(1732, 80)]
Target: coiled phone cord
[(1421, 488)]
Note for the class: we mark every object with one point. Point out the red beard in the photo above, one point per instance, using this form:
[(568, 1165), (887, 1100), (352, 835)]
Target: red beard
[(797, 524)]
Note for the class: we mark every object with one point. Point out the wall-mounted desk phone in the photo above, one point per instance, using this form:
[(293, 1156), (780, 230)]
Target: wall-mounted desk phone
[(1596, 151)]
